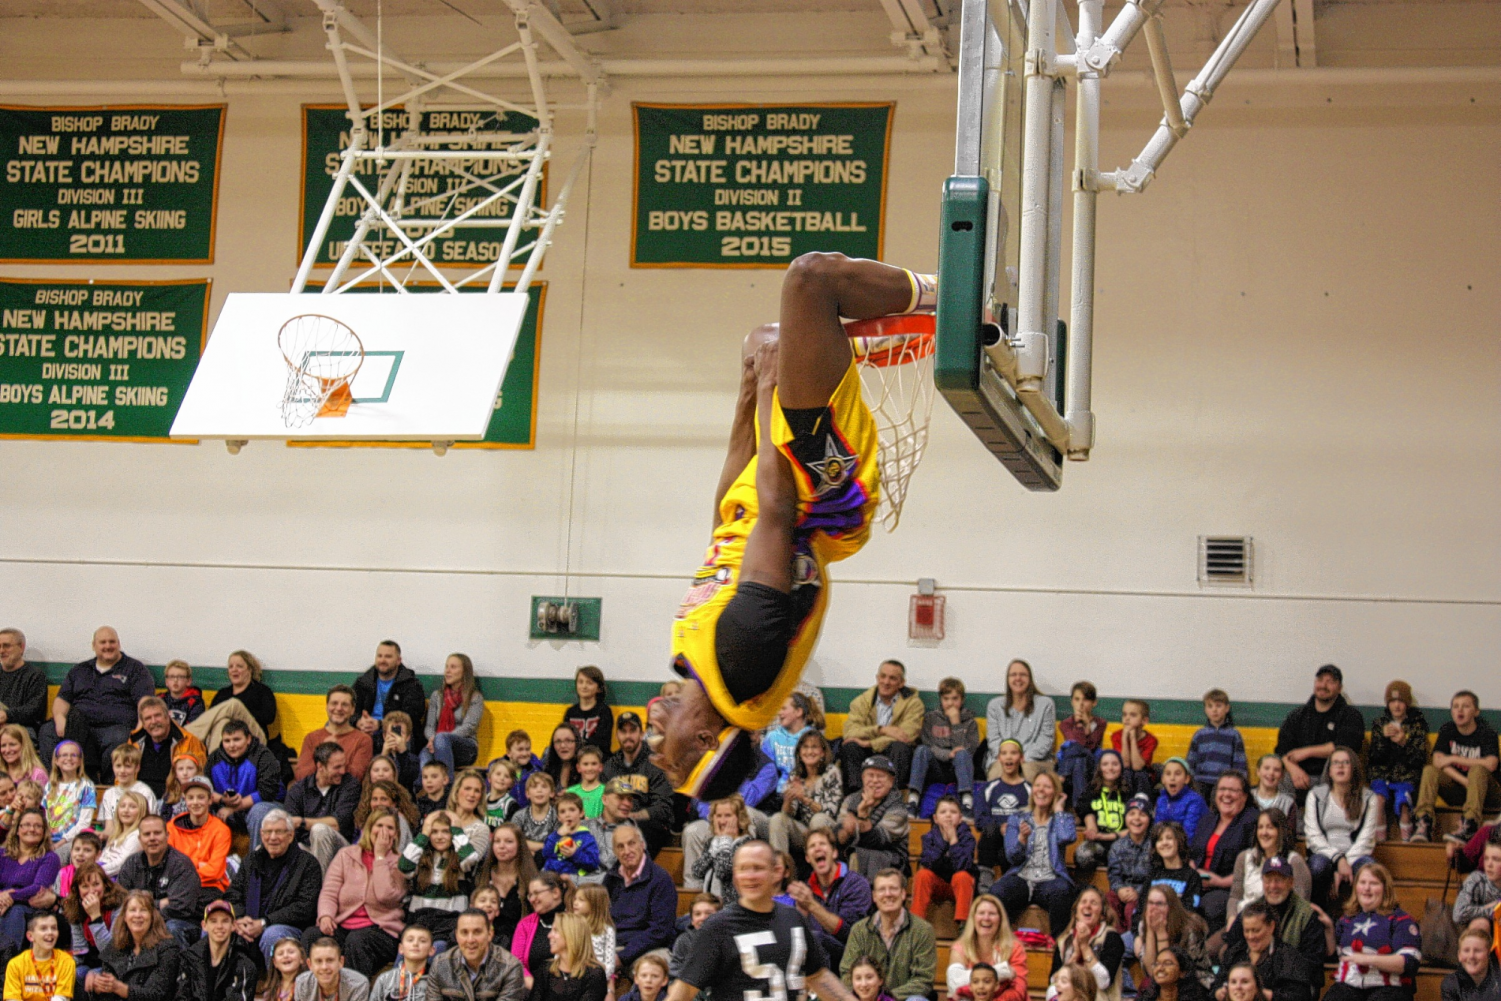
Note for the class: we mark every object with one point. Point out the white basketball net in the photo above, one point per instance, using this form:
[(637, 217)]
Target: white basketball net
[(322, 356), (897, 374)]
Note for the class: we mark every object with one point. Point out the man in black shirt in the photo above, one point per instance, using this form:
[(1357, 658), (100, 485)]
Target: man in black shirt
[(652, 793), (96, 705), (1463, 770), (389, 686), (23, 686), (757, 949), (1312, 731), (321, 805)]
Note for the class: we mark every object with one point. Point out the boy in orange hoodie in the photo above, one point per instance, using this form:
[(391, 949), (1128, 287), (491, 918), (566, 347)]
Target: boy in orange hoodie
[(202, 837)]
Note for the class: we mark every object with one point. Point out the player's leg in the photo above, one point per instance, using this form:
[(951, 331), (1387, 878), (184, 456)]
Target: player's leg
[(817, 291)]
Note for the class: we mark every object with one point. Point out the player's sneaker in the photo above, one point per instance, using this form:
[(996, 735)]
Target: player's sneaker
[(1466, 831), (1422, 829), (1404, 828)]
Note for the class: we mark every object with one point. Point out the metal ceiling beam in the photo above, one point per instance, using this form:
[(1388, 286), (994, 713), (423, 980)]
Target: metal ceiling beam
[(910, 28), (794, 66), (540, 19), (196, 32)]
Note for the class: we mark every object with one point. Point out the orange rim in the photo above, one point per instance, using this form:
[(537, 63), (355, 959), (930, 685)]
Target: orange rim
[(902, 339)]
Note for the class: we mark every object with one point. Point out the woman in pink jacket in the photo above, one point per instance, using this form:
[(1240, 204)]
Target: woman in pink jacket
[(361, 900)]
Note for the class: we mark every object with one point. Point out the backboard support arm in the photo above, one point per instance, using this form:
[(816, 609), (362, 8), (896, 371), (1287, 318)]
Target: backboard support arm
[(1023, 384)]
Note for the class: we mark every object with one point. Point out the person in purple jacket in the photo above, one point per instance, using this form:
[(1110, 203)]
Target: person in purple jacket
[(835, 896), (27, 867), (947, 868)]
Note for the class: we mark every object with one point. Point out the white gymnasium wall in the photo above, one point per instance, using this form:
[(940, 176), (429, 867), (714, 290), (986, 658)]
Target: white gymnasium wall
[(1297, 341)]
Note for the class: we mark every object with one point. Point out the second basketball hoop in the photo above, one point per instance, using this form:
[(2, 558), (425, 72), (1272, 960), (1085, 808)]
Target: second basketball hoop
[(323, 356)]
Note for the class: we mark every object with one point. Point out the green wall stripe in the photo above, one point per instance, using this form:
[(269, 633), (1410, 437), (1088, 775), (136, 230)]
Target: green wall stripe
[(559, 691)]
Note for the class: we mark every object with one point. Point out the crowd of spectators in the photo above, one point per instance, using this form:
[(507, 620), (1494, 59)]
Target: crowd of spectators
[(379, 862)]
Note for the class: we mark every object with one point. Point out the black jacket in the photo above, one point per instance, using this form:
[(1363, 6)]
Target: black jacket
[(1460, 986), (653, 790), (1305, 726), (406, 696), (289, 899), (1296, 920), (24, 692), (1284, 972), (197, 982), (340, 803), (1240, 835), (151, 975), (175, 880)]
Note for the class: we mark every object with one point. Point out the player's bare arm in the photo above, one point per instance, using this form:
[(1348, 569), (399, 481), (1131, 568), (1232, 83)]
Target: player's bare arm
[(742, 446), (768, 550), (818, 290), (827, 986), (682, 991)]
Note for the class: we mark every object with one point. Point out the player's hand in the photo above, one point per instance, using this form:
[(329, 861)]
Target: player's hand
[(1024, 832), (766, 366), (368, 723)]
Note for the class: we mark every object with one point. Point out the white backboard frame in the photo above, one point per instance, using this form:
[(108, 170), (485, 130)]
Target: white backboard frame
[(454, 352)]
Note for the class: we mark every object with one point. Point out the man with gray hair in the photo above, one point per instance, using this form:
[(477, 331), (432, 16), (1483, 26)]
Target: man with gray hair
[(643, 899), (275, 893), (23, 686)]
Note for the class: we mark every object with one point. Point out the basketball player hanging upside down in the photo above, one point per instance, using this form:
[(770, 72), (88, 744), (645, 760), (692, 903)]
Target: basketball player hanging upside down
[(798, 490)]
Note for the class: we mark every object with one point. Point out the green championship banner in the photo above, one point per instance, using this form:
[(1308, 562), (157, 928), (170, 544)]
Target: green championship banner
[(97, 361), (113, 185), (325, 135), (514, 422), (753, 186)]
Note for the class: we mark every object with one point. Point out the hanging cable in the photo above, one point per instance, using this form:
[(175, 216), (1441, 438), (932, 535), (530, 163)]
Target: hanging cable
[(578, 379)]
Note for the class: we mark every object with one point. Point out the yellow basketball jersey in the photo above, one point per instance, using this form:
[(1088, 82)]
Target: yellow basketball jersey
[(836, 468)]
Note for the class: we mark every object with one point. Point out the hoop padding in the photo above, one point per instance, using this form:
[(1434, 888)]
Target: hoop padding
[(895, 355), (322, 355)]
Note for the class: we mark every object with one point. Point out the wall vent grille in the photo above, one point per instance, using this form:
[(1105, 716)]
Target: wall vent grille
[(1225, 560)]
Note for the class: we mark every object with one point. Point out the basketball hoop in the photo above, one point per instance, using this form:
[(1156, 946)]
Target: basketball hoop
[(322, 356), (895, 355)]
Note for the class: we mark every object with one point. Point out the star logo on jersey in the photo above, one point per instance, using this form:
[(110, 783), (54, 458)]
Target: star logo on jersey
[(835, 466), (1363, 928)]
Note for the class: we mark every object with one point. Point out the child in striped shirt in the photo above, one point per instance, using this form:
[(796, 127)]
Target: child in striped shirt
[(1216, 747)]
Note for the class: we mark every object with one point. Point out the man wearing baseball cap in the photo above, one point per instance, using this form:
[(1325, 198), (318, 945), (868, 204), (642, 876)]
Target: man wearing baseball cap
[(1312, 731), (651, 802), (615, 809), (1300, 925), (873, 822), (215, 967)]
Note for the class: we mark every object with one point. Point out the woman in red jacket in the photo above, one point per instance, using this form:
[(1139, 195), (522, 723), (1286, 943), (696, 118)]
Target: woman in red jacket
[(361, 900)]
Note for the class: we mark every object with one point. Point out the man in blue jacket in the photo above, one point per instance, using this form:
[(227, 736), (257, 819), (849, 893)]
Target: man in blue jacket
[(643, 899)]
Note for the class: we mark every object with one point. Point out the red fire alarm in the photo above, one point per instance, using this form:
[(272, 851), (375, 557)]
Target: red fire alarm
[(925, 612)]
